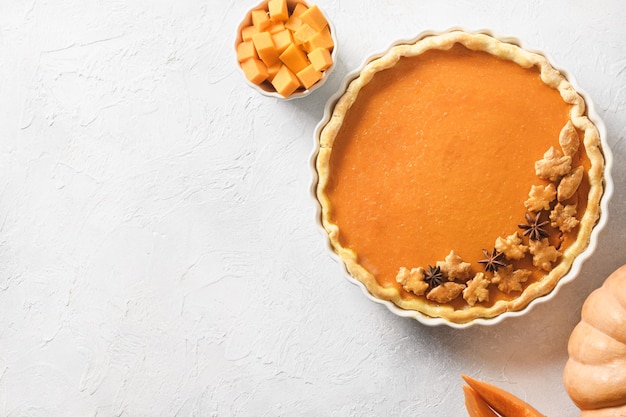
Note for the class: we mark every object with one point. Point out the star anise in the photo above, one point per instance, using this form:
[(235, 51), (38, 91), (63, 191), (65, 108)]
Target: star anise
[(492, 260), (433, 276), (534, 228)]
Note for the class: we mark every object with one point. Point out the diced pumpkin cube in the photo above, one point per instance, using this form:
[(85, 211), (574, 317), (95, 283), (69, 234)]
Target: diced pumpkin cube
[(294, 58), (320, 58), (299, 9), (309, 76), (303, 34), (260, 19), (247, 32), (314, 18), (273, 70), (293, 23), (276, 27), (245, 51), (254, 70), (321, 39), (285, 82), (278, 10), (282, 40), (265, 48)]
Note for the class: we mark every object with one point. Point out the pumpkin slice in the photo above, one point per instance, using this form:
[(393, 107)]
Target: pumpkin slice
[(475, 405), (502, 401)]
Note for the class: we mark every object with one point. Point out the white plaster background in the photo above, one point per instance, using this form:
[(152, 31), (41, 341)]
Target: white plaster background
[(159, 252)]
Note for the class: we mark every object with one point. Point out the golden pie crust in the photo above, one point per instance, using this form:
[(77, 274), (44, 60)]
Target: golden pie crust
[(554, 256)]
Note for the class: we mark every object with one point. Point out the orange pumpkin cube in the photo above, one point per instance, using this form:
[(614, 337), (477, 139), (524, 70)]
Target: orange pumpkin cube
[(278, 10), (255, 70), (276, 27), (303, 34), (299, 9), (265, 48), (285, 82), (260, 19), (294, 58), (314, 18), (282, 40), (309, 76), (273, 70), (320, 58), (320, 39), (245, 51), (247, 32), (293, 23)]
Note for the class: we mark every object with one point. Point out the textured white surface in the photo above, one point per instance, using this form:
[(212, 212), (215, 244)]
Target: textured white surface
[(159, 252)]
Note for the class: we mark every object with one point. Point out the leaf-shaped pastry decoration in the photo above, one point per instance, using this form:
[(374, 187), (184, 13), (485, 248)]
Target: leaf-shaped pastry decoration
[(569, 140), (569, 183), (553, 165)]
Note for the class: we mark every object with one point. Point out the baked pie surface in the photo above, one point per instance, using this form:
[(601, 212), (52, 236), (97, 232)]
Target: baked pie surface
[(459, 176)]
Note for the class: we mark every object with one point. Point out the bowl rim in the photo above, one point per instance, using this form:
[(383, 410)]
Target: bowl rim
[(247, 20), (575, 269)]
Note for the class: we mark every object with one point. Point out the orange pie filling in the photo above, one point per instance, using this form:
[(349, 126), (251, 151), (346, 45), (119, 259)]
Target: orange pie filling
[(457, 178)]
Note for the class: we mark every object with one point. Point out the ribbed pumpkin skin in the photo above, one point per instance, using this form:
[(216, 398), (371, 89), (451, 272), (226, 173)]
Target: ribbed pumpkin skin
[(595, 373), (605, 412)]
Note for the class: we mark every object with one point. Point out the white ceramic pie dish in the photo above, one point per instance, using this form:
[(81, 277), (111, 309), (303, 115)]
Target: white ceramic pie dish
[(266, 89), (577, 263)]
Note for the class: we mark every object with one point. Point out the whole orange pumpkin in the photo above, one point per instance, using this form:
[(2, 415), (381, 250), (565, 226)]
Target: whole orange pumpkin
[(595, 373)]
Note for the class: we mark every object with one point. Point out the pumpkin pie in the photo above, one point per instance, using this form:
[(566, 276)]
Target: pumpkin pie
[(459, 176)]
